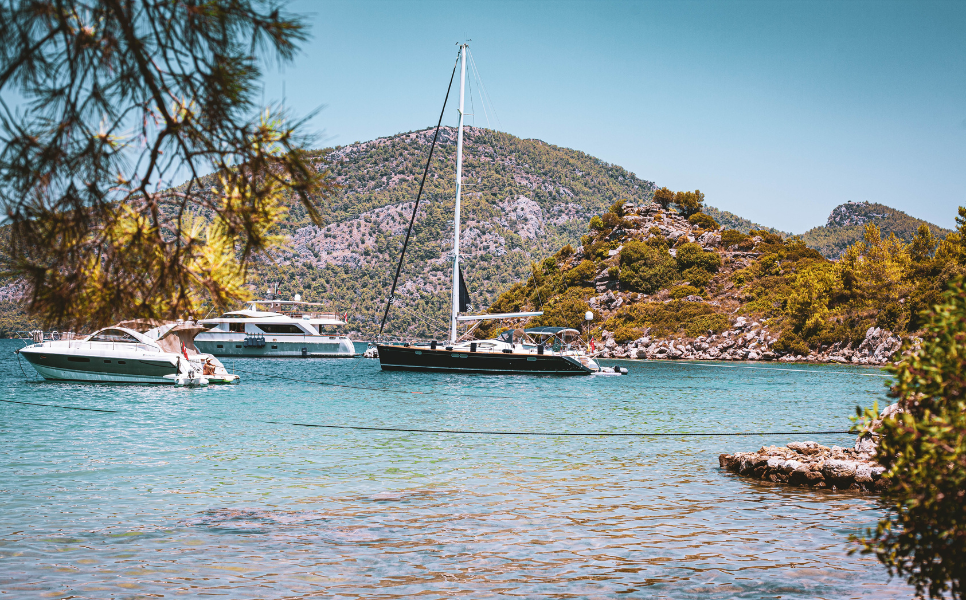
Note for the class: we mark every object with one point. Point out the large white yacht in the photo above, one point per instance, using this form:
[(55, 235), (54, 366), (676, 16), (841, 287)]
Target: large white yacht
[(276, 328)]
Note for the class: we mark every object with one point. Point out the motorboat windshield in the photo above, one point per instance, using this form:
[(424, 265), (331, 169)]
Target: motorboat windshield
[(119, 335)]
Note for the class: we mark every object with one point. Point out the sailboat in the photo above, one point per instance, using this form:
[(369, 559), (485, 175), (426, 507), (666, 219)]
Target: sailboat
[(542, 350)]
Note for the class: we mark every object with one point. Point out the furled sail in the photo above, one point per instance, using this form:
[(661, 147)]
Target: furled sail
[(464, 293)]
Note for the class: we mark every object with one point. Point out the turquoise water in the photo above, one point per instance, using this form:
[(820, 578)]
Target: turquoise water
[(192, 492)]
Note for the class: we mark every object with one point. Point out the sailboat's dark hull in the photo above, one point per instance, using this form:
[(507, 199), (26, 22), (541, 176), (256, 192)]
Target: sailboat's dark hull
[(408, 358)]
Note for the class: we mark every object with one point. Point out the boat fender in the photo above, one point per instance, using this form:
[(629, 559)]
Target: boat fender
[(432, 345), (305, 352), (472, 346), (540, 349), (449, 348)]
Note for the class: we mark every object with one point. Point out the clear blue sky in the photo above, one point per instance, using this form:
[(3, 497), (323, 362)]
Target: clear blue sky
[(778, 111)]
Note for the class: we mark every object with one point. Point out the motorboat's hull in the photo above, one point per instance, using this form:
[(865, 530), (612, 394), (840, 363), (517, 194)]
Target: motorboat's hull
[(98, 368), (275, 346), (409, 358)]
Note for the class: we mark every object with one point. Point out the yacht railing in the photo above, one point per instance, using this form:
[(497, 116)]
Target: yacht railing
[(80, 345)]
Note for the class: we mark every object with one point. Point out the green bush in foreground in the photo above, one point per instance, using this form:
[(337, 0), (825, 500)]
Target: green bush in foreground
[(923, 536)]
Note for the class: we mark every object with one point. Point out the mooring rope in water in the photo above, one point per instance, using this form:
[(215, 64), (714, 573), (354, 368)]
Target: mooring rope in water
[(103, 410), (553, 433), (391, 390)]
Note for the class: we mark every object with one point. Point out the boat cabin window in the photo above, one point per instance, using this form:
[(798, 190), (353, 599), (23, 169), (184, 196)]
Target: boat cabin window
[(236, 327), (235, 316), (282, 328), (114, 335)]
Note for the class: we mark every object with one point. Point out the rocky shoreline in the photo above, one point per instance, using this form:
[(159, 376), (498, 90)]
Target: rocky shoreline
[(750, 341), (810, 464)]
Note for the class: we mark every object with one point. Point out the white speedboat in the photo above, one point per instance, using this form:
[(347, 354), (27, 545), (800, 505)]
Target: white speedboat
[(120, 354), (276, 328)]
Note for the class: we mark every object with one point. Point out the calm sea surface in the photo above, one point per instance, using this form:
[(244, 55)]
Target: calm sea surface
[(213, 492)]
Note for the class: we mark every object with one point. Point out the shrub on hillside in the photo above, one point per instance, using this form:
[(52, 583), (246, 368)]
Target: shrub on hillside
[(706, 325), (691, 255), (683, 291), (704, 221), (582, 274), (566, 310), (789, 342), (627, 334), (697, 276), (677, 317), (645, 268), (730, 237)]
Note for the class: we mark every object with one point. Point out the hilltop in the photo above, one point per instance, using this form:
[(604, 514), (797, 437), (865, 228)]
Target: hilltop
[(846, 226)]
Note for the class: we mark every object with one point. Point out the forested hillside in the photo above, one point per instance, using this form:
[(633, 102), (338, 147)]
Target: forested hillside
[(846, 226), (662, 286), (522, 199)]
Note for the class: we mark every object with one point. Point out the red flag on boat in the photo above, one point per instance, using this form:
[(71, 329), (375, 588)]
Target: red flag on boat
[(184, 350)]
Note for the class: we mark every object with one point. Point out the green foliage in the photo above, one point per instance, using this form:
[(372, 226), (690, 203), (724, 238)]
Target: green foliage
[(789, 342), (732, 221), (923, 536), (683, 291), (581, 275), (689, 203), (691, 255), (697, 276), (677, 317), (566, 310), (664, 197), (625, 334), (703, 221), (730, 237), (645, 268), (116, 99), (833, 239), (596, 223)]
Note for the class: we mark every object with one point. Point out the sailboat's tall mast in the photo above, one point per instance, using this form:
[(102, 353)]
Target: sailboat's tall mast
[(459, 189)]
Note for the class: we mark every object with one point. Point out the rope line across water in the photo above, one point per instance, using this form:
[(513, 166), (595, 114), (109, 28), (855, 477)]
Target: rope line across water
[(553, 433), (338, 385), (59, 406)]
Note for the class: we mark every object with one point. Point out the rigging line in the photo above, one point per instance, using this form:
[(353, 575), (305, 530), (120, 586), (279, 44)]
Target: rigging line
[(778, 369), (561, 434), (434, 327), (482, 101), (483, 87), (412, 219), (59, 406)]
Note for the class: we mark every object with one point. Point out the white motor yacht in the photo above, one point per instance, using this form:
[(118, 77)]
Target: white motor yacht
[(276, 328), (120, 354)]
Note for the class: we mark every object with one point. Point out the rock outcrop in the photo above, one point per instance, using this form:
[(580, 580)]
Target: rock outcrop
[(744, 340), (810, 464)]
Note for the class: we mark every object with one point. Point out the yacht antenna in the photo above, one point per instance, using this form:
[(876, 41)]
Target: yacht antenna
[(456, 220)]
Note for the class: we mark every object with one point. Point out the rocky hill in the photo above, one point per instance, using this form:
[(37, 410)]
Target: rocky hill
[(846, 226), (522, 199), (666, 287)]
